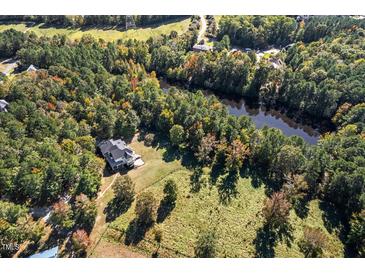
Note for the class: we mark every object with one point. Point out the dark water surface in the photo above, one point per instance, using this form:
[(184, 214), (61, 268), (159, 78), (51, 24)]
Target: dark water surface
[(261, 117)]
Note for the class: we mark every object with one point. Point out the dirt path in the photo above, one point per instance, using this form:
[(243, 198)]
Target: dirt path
[(105, 248), (101, 194), (31, 25), (203, 28), (101, 226), (100, 221)]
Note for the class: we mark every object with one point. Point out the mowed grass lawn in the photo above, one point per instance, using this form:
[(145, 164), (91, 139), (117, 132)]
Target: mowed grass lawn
[(105, 34), (236, 224)]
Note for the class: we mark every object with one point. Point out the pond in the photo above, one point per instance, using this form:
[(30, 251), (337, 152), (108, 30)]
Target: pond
[(264, 117)]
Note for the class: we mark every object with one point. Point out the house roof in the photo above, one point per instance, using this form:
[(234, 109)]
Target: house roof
[(49, 253), (115, 151), (31, 68), (202, 47), (110, 145), (3, 103)]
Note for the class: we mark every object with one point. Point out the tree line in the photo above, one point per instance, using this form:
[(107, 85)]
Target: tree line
[(259, 32), (78, 21), (91, 90)]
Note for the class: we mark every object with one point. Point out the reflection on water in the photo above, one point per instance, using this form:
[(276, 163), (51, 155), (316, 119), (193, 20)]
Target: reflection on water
[(262, 117), (272, 118)]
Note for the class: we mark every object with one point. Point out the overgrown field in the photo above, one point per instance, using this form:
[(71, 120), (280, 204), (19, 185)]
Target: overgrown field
[(237, 224)]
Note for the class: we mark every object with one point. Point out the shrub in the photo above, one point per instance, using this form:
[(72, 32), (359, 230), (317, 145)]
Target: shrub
[(80, 241), (170, 191), (148, 139), (124, 190), (206, 245), (313, 242)]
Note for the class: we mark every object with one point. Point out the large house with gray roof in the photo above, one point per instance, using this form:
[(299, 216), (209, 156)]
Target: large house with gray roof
[(117, 154)]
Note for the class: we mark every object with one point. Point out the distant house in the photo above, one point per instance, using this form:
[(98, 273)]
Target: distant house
[(197, 47), (358, 17), (289, 46), (302, 18), (117, 154), (31, 68), (49, 253), (3, 105)]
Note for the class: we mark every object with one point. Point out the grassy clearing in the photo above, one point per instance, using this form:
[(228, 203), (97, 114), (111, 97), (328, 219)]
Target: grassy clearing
[(106, 34), (19, 27), (153, 171), (104, 248), (236, 224)]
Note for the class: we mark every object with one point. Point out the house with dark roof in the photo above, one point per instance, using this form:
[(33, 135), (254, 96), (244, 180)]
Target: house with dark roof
[(3, 105), (117, 154)]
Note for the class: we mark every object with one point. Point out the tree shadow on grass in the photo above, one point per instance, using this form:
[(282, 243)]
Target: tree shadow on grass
[(331, 217), (335, 221), (227, 188), (171, 153), (115, 208), (136, 231), (285, 234), (195, 180), (164, 210), (265, 242), (256, 178), (188, 160), (261, 177), (216, 171), (267, 238), (107, 172), (301, 208)]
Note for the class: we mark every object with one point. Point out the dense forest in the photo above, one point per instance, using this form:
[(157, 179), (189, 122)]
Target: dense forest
[(89, 90), (258, 31), (263, 31), (321, 76)]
